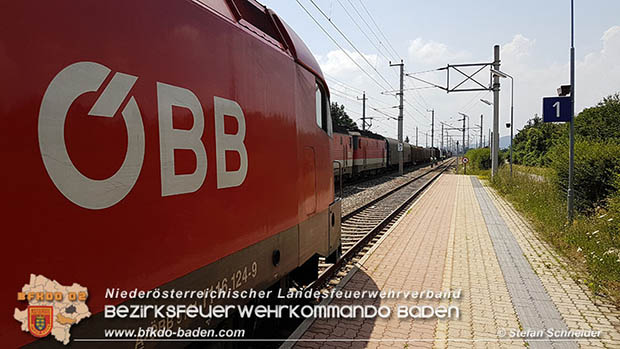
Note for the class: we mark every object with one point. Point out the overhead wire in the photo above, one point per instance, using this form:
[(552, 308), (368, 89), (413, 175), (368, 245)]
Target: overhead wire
[(419, 94), (349, 97), (338, 82), (340, 47), (467, 106), (342, 95), (348, 40), (418, 103), (417, 110), (362, 31), (383, 113), (378, 28), (368, 97), (343, 92)]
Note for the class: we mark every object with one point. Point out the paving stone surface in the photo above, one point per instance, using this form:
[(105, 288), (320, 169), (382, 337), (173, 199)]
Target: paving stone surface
[(460, 235), (473, 267), (578, 307), (534, 307)]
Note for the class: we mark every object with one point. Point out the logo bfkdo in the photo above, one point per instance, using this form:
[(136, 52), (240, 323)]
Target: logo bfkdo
[(40, 320), (52, 308)]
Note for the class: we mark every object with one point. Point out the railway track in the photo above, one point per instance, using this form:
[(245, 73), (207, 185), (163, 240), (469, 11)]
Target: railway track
[(361, 228), (391, 173), (365, 225)]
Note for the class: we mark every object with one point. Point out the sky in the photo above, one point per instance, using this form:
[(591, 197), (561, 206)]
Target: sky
[(534, 37)]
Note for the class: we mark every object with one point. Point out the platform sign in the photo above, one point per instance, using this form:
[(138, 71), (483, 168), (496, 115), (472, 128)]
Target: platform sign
[(400, 147), (556, 109)]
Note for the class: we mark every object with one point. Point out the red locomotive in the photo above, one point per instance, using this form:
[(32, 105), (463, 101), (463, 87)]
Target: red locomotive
[(363, 152), (170, 144), (342, 149)]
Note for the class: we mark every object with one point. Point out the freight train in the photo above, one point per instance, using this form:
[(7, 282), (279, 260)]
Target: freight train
[(168, 145), (359, 153)]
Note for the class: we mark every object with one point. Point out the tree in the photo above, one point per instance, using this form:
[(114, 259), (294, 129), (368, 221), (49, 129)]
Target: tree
[(340, 117), (600, 123), (531, 144)]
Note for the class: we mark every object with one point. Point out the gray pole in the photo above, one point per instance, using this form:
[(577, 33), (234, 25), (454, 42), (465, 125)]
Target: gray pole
[(463, 144), (468, 136), (363, 99), (416, 136), (481, 132), (441, 136), (571, 161), (400, 118), (491, 145), (495, 142), (426, 134), (512, 94), (433, 129)]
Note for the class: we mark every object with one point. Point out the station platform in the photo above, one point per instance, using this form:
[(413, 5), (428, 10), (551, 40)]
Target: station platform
[(460, 235)]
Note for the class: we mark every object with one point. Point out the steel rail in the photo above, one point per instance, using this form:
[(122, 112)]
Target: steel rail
[(384, 195), (324, 277)]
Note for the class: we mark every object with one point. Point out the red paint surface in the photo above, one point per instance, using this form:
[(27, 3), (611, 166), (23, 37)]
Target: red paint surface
[(146, 240), (369, 148), (342, 148)]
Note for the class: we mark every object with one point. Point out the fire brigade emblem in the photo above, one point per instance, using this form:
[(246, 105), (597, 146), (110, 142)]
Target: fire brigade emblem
[(40, 320), (51, 305)]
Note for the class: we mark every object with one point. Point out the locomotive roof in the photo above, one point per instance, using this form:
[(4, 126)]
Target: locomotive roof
[(368, 134), (340, 129), (371, 134)]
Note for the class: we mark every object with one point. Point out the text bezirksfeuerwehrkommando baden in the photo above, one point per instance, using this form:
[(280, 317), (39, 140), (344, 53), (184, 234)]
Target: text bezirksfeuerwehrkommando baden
[(206, 310)]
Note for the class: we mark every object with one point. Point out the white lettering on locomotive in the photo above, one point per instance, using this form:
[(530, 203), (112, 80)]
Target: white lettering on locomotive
[(229, 142), (82, 77), (171, 139), (66, 87)]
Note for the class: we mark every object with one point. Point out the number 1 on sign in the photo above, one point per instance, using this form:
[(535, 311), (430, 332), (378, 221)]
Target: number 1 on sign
[(556, 105)]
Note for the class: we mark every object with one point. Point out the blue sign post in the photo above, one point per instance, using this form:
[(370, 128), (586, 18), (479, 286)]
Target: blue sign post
[(556, 109)]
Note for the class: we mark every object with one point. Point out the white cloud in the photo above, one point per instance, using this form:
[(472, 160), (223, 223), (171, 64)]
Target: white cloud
[(611, 42), (518, 50), (597, 75), (432, 52), (337, 62)]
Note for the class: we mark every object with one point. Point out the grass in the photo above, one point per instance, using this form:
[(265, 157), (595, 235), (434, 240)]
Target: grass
[(539, 171), (591, 243), (473, 170)]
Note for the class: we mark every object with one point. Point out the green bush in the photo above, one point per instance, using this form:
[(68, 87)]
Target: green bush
[(596, 166), (532, 143), (614, 199), (601, 122), (479, 159)]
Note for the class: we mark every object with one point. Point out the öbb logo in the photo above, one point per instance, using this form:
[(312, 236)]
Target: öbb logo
[(82, 77)]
